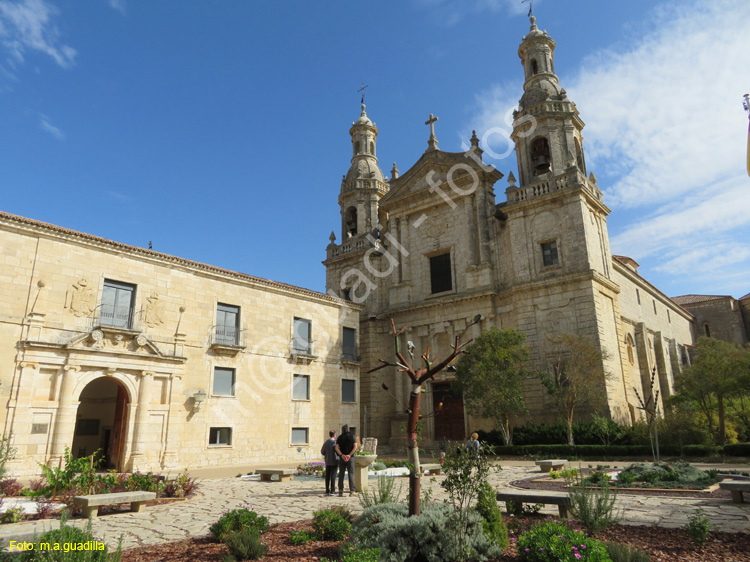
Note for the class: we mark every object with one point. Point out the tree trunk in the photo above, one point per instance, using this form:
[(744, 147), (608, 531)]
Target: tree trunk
[(722, 428), (411, 440), (570, 430)]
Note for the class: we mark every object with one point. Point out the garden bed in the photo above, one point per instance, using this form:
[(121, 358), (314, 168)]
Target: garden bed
[(663, 545)]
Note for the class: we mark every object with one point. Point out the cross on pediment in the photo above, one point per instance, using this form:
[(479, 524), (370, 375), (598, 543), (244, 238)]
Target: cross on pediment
[(432, 143)]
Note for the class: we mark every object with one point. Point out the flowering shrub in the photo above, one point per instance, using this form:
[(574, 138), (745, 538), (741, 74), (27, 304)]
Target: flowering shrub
[(559, 542), (310, 468), (298, 538)]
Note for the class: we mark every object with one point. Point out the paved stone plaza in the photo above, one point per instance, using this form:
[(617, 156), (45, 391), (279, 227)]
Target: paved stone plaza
[(296, 500)]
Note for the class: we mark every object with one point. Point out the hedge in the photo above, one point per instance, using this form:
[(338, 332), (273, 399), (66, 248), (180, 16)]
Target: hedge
[(737, 450), (604, 451)]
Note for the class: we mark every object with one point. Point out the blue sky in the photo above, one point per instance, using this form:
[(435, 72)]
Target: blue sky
[(219, 129)]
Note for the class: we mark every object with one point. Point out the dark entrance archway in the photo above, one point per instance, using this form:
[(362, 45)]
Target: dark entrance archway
[(101, 421), (449, 421)]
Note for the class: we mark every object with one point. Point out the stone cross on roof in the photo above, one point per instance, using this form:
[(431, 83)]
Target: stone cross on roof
[(432, 143)]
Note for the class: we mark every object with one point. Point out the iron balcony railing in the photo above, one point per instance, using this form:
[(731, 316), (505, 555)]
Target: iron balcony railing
[(349, 353), (228, 335), (124, 317)]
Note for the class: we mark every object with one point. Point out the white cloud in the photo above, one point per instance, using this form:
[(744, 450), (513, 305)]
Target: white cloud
[(45, 124), (666, 136), (27, 25), (119, 5), (448, 12), (664, 115)]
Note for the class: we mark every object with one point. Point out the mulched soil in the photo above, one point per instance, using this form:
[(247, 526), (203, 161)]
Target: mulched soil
[(663, 545)]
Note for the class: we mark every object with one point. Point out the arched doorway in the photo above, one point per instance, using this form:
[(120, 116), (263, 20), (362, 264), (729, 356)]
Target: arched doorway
[(101, 421)]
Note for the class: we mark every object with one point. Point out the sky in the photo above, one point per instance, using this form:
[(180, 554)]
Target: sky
[(218, 130)]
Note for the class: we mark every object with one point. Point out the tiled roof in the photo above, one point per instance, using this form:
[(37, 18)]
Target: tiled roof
[(693, 299), (166, 257), (747, 296)]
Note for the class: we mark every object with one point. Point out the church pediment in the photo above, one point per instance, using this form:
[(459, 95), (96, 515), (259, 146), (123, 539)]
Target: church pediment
[(432, 175)]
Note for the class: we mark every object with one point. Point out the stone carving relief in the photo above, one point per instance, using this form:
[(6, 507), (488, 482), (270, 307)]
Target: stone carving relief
[(153, 310), (105, 340), (80, 299)]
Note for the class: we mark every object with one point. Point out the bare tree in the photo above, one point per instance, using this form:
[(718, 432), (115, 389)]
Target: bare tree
[(417, 377), (574, 375)]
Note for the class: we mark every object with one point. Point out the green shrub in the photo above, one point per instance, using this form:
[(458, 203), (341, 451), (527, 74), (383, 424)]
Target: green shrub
[(494, 528), (377, 465), (361, 555), (699, 528), (298, 538), (558, 542), (663, 475), (384, 493), (593, 506), (623, 553), (737, 450), (67, 544), (330, 526), (12, 515), (244, 545), (432, 535), (236, 520), (344, 511), (625, 478)]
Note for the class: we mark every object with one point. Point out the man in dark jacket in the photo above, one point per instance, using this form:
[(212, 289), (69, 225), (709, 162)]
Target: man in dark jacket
[(332, 462), (346, 446)]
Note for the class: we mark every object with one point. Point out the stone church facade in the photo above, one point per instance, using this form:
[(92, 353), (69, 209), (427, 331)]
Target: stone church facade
[(433, 249), (160, 362)]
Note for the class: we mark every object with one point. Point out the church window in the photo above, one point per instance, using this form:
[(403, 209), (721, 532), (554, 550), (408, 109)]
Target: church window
[(534, 67), (540, 156), (300, 436), (220, 436), (302, 331), (357, 148), (227, 324), (630, 344), (351, 221), (117, 304), (348, 390), (346, 294), (654, 307), (349, 348), (669, 318), (301, 387), (224, 380), (372, 148), (549, 254), (441, 279), (638, 295), (707, 329)]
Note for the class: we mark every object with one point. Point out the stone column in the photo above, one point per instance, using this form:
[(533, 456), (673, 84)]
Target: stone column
[(138, 458), (470, 225), (65, 420), (483, 232)]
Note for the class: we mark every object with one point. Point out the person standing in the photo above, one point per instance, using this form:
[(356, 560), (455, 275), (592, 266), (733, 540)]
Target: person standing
[(332, 462), (346, 446), (472, 445)]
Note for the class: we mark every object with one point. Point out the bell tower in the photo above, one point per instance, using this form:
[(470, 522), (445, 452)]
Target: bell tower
[(361, 189), (547, 127), (363, 185)]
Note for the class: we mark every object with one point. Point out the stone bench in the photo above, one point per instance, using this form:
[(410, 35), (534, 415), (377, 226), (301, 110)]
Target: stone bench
[(282, 473), (90, 504), (560, 499), (431, 468), (736, 487), (551, 464)]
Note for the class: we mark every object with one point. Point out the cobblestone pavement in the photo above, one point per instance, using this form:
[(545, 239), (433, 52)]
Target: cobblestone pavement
[(296, 500)]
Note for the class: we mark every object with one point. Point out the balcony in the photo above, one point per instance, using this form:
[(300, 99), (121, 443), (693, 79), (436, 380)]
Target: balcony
[(349, 353), (122, 317), (228, 339)]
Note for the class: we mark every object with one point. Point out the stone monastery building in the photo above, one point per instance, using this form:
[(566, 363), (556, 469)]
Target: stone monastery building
[(164, 363), (539, 261)]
